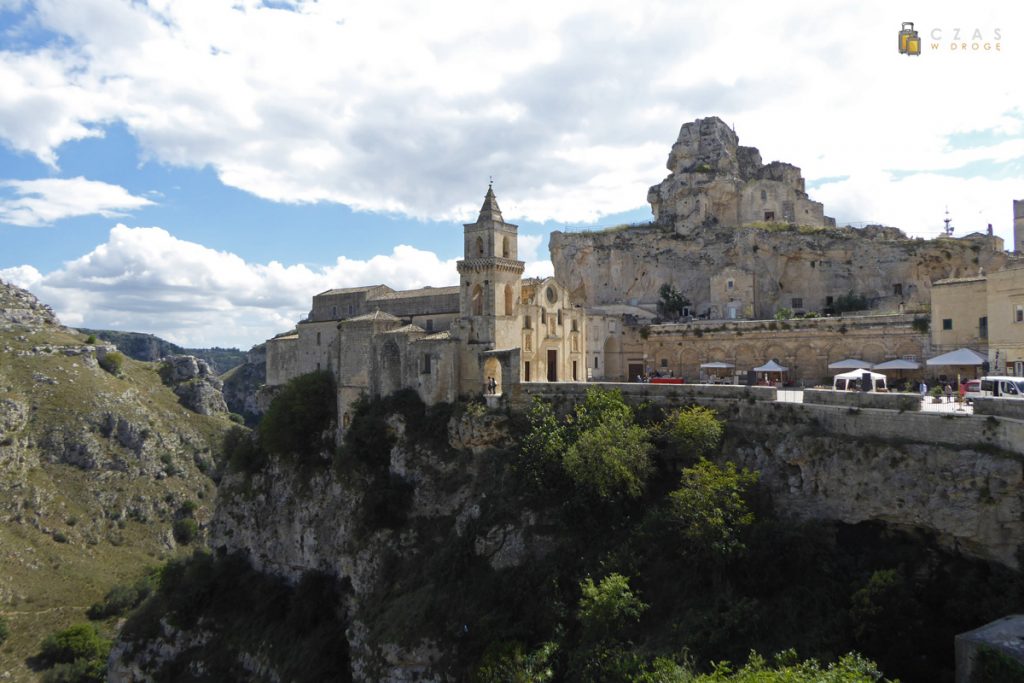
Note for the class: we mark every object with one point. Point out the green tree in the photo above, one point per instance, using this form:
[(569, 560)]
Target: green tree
[(610, 460), (607, 454), (693, 432), (78, 654), (606, 608), (708, 508), (542, 448), (185, 530), (300, 416), (671, 302), (783, 313)]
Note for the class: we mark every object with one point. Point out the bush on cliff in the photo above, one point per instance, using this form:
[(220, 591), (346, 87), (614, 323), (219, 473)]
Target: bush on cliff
[(301, 417)]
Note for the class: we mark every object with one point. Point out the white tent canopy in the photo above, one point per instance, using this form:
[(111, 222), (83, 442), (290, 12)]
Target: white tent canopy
[(843, 379), (717, 365), (771, 366), (850, 364), (963, 356), (898, 364)]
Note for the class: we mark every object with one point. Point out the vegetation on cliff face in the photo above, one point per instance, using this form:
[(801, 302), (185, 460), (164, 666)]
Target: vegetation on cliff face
[(600, 544), (93, 467), (148, 348)]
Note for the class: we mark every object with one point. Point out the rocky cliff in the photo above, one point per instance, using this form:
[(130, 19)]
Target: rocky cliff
[(95, 466), (721, 211), (242, 385)]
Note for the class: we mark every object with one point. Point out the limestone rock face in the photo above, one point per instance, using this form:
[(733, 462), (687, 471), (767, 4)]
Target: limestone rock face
[(289, 523), (786, 263), (721, 209), (242, 384), (194, 382), (19, 307)]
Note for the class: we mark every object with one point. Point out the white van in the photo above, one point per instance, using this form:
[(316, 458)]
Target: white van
[(1002, 386)]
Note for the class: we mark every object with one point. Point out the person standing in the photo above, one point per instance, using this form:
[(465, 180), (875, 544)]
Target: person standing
[(924, 391), (949, 393)]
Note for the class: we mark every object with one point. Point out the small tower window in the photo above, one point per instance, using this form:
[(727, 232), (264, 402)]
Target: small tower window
[(318, 339), (505, 251), (478, 300), (426, 364), (479, 246), (508, 299)]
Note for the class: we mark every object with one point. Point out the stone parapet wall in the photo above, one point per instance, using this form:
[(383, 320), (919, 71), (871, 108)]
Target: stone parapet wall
[(662, 395), (863, 399), (1000, 407)]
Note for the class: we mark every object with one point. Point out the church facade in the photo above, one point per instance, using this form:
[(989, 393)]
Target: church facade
[(442, 342)]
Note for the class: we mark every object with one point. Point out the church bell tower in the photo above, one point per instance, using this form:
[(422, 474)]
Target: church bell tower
[(489, 276)]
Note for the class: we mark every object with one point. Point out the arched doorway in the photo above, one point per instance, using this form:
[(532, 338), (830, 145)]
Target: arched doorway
[(492, 371), (612, 360)]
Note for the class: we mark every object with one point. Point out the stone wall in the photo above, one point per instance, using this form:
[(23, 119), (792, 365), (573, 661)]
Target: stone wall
[(863, 399), (999, 407)]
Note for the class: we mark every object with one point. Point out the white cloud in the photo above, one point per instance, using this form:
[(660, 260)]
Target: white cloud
[(572, 107), (147, 280), (46, 200)]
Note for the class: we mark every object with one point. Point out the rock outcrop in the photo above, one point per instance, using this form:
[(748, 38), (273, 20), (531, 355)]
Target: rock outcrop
[(733, 233), (195, 384), (242, 385), (715, 181)]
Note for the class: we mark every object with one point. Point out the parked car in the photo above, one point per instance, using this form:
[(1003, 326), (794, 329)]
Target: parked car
[(1001, 386), (972, 389)]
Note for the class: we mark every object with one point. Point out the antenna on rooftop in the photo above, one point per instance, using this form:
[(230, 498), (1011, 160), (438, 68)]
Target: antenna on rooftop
[(947, 220)]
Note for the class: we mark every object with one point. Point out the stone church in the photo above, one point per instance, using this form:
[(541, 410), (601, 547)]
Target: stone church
[(442, 342)]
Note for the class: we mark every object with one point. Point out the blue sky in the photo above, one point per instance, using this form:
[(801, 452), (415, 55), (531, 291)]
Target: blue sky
[(199, 169)]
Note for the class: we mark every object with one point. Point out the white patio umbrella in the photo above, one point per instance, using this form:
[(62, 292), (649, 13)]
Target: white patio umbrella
[(962, 356), (898, 364), (851, 364), (717, 365), (771, 366)]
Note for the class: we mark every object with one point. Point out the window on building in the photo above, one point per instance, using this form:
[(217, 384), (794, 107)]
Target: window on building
[(430, 325), (479, 246), (828, 301), (426, 364), (478, 300), (729, 284), (526, 371), (769, 215), (897, 289), (543, 316), (574, 371), (1018, 314), (334, 311), (318, 367), (595, 362), (318, 339), (947, 323), (505, 251), (508, 299), (798, 302), (575, 328), (983, 327), (559, 316), (664, 362), (527, 324), (351, 309), (764, 196)]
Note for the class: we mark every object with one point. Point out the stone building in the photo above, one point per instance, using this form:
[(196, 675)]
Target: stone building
[(442, 342)]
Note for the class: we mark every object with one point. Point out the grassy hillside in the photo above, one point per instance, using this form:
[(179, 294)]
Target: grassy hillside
[(148, 347), (94, 470)]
